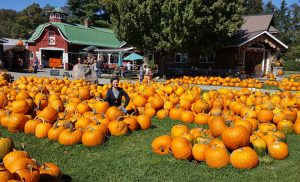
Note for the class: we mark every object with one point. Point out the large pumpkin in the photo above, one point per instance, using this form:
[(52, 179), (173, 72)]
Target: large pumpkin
[(50, 172), (161, 145), (49, 114), (113, 113), (93, 137), (70, 136), (244, 158), (144, 121), (181, 148), (16, 122), (157, 103), (12, 157), (117, 128), (179, 130), (265, 116), (187, 116), (25, 169), (235, 137), (20, 106)]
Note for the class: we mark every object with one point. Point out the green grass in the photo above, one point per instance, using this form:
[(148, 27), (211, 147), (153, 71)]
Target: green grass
[(129, 158), (270, 87)]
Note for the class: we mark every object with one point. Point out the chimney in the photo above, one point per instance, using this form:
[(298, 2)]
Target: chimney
[(87, 23)]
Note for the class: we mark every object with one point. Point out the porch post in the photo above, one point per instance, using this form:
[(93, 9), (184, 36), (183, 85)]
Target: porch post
[(109, 54), (263, 63), (244, 55), (268, 62)]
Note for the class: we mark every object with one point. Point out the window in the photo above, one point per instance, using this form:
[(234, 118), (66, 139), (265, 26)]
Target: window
[(51, 40), (31, 55), (181, 57), (57, 15), (207, 59), (51, 15), (63, 16)]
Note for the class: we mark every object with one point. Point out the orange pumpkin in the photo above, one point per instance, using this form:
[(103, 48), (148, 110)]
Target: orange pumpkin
[(181, 148), (278, 150), (161, 145), (199, 151), (244, 158), (216, 157)]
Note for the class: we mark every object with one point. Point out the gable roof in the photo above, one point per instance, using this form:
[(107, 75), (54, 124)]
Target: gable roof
[(255, 26), (79, 34)]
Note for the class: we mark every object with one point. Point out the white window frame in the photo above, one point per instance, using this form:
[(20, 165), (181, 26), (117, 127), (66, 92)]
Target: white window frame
[(51, 15), (207, 59), (31, 55), (51, 39), (184, 58)]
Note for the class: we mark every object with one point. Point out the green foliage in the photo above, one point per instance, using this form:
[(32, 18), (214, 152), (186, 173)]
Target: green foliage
[(130, 158), (82, 9), (7, 18), (170, 25), (253, 7)]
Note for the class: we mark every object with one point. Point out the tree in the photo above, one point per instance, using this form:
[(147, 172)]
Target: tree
[(7, 19), (171, 25), (253, 7), (27, 21), (283, 23), (91, 9), (270, 8)]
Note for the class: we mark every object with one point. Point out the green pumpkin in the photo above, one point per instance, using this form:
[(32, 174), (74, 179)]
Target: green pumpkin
[(260, 146)]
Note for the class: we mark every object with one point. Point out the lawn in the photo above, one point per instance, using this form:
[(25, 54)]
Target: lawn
[(129, 158)]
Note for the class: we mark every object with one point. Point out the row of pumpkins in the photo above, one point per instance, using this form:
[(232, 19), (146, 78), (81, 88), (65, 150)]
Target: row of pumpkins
[(217, 81), (17, 165), (285, 84), (199, 144)]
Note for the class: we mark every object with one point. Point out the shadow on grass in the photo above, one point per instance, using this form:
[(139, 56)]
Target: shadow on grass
[(66, 178)]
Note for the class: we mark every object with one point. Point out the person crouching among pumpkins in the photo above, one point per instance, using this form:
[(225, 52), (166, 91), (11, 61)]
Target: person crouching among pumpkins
[(114, 95)]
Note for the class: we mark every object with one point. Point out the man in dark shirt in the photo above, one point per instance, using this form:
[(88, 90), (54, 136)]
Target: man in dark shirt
[(114, 95)]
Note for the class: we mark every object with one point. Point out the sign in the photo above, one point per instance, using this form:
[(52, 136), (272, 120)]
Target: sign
[(55, 63), (54, 72)]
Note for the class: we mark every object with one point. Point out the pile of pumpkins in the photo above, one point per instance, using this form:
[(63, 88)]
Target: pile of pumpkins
[(289, 84), (17, 165), (4, 78), (69, 112), (242, 126)]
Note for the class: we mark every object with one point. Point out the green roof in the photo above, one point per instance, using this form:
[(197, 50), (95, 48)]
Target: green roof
[(79, 34)]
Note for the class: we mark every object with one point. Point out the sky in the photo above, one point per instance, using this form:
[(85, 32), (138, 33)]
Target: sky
[(19, 5)]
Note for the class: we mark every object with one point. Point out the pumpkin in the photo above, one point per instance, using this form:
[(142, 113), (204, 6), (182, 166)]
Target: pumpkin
[(117, 128), (131, 123), (25, 169), (235, 137), (201, 118), (101, 107), (187, 116), (162, 114), (6, 146), (4, 119), (93, 137), (54, 132), (290, 114), (265, 116), (179, 130), (144, 121), (70, 136), (265, 127), (41, 130), (297, 127), (161, 145), (30, 126), (82, 123), (5, 175), (113, 113), (244, 158), (285, 126), (278, 150), (245, 123), (82, 108), (20, 106), (216, 157), (157, 103), (200, 106), (199, 151), (150, 111), (3, 101), (49, 114), (175, 113), (100, 125), (84, 93), (260, 146), (139, 101), (12, 157), (16, 122), (181, 148), (217, 125), (50, 172)]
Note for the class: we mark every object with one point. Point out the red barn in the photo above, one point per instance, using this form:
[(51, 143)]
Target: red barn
[(63, 42)]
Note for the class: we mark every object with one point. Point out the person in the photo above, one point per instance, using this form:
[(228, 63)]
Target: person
[(35, 65), (114, 95), (128, 66), (99, 65), (141, 73)]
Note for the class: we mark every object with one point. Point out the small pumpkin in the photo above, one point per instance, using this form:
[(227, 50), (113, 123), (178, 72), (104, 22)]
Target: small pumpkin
[(278, 150), (260, 146), (216, 157), (93, 137), (285, 126), (181, 148), (50, 172), (199, 151), (6, 146)]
